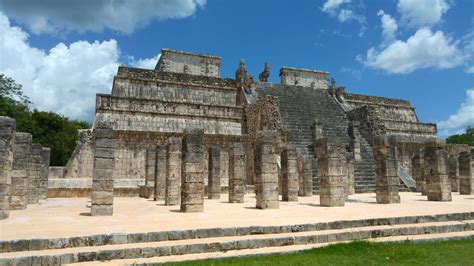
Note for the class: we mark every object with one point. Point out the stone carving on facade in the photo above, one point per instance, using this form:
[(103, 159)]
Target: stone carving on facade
[(83, 136), (263, 77), (264, 114), (243, 81)]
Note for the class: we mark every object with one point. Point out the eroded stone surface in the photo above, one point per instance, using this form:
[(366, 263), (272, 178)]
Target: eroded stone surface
[(266, 184), (7, 135), (386, 168), (236, 173), (192, 175)]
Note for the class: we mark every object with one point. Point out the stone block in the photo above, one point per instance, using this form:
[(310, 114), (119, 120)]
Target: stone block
[(236, 173), (386, 169), (214, 172), (160, 173), (466, 173), (192, 175)]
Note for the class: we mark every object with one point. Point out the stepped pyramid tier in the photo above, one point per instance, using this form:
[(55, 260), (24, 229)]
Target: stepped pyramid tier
[(186, 90)]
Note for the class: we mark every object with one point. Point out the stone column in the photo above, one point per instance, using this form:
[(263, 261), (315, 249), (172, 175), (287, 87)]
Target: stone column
[(438, 187), (224, 168), (150, 173), (289, 171), (236, 173), (44, 174), (19, 174), (192, 175), (453, 172), (355, 136), (266, 171), (332, 172), (34, 173), (350, 173), (173, 176), (308, 177), (214, 174), (387, 181), (7, 139), (418, 169), (300, 167), (160, 173), (466, 173), (103, 167)]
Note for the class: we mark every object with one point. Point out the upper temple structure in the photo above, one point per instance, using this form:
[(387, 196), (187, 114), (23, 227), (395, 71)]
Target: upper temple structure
[(186, 90)]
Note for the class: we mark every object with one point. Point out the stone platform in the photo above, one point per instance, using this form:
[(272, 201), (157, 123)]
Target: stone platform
[(59, 231)]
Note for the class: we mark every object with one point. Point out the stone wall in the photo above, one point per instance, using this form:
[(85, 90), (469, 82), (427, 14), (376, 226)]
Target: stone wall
[(80, 163), (189, 63), (34, 173), (466, 172), (44, 175), (304, 77)]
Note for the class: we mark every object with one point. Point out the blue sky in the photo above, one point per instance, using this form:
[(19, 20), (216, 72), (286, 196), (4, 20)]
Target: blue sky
[(64, 52)]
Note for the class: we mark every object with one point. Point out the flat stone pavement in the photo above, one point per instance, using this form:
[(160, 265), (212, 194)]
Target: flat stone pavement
[(64, 217)]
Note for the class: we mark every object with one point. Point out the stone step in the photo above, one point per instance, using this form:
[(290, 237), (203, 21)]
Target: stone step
[(224, 244), (274, 250)]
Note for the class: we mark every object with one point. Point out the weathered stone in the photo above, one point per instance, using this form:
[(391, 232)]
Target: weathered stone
[(350, 173), (19, 174), (173, 176), (160, 172), (7, 136), (236, 173), (265, 167), (418, 170), (437, 181), (386, 169), (453, 172), (102, 178), (214, 172), (192, 175), (289, 170), (466, 173), (332, 172), (34, 173), (150, 172), (44, 174)]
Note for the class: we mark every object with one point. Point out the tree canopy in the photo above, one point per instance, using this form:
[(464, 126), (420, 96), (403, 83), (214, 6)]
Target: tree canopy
[(49, 129), (466, 138)]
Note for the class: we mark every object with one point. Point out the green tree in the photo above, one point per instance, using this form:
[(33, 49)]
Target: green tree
[(466, 138), (48, 129)]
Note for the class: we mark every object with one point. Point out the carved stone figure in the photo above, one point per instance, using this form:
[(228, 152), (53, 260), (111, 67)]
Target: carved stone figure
[(263, 77), (339, 92), (332, 88), (241, 73)]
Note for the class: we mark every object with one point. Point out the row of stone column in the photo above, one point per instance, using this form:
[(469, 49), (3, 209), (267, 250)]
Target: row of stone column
[(437, 174), (24, 169)]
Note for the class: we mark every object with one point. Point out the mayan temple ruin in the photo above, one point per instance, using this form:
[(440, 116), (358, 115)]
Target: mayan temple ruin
[(184, 153)]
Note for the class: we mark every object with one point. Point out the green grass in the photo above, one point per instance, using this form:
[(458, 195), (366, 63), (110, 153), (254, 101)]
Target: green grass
[(451, 252)]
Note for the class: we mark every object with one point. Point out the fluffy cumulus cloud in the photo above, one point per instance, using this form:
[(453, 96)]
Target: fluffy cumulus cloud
[(389, 27), (64, 79), (459, 121), (331, 6), (419, 13), (425, 49), (55, 16)]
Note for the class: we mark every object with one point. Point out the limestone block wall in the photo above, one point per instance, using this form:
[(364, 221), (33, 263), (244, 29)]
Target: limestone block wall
[(80, 163), (189, 63), (466, 172), (19, 174), (304, 77)]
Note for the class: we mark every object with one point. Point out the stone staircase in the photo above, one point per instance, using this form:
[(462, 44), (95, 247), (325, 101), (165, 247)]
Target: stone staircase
[(299, 107), (152, 247)]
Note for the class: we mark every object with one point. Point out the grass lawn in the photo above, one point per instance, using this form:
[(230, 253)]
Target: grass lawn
[(452, 252)]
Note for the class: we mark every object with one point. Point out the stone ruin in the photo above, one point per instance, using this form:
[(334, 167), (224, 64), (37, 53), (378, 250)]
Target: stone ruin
[(181, 132), (24, 169)]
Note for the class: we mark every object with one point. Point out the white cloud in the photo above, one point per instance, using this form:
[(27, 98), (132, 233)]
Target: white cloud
[(147, 63), (64, 79), (389, 27), (418, 13), (330, 6), (459, 121), (470, 70), (348, 15), (425, 49), (54, 16)]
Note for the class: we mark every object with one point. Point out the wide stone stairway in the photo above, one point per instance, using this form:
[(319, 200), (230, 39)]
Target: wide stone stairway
[(299, 107)]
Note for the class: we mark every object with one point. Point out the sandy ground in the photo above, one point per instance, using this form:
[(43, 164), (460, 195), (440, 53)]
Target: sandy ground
[(62, 217)]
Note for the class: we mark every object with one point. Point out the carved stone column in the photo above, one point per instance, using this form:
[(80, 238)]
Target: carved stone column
[(173, 176), (34, 172), (160, 172), (453, 172), (332, 172), (214, 180), (350, 173), (386, 170), (192, 175), (44, 174), (466, 173), (148, 190), (236, 173), (438, 187), (19, 174), (289, 171), (7, 139), (103, 170), (266, 171)]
